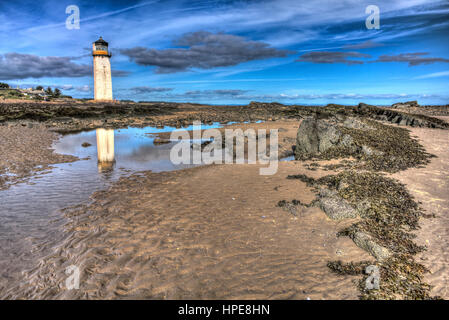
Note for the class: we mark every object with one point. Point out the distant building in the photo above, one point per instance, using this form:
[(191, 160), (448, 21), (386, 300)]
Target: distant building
[(102, 71), (33, 92)]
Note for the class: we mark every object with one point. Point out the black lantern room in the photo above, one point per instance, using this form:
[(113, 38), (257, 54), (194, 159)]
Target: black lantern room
[(100, 48)]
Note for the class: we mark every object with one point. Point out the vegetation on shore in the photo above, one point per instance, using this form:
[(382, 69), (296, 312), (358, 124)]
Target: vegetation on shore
[(37, 94)]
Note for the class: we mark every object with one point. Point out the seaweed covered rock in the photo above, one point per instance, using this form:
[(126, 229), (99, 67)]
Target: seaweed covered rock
[(291, 207), (408, 104), (335, 206), (388, 216), (386, 209), (398, 117), (366, 242), (355, 123), (380, 147)]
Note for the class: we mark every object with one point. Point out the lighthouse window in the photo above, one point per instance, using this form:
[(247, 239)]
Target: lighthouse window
[(101, 47)]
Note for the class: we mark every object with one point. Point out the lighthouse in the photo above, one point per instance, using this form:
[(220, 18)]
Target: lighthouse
[(102, 71)]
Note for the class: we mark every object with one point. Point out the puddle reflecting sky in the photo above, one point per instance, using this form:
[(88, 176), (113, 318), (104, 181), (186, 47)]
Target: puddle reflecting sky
[(133, 149), (30, 212)]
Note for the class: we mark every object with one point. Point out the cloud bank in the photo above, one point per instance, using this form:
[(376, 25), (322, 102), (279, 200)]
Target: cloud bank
[(145, 89), (22, 66), (333, 57), (413, 59), (203, 50)]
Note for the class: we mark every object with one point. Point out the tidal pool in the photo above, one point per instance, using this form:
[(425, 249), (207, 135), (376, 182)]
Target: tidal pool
[(30, 212)]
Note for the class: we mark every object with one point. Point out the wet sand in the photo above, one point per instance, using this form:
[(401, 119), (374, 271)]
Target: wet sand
[(205, 233), (25, 150)]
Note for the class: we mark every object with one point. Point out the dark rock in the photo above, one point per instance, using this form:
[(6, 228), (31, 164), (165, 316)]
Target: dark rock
[(316, 136), (86, 144), (367, 243), (335, 206), (355, 123), (400, 117), (408, 104), (289, 207)]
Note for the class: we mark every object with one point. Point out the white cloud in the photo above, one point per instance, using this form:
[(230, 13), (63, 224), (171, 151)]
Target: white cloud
[(434, 75)]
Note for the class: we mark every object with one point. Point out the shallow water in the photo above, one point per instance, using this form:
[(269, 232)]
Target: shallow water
[(30, 212)]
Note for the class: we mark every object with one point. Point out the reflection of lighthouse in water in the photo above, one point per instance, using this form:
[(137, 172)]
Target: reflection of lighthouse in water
[(105, 149)]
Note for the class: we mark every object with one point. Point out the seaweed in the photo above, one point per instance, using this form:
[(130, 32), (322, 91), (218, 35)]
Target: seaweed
[(351, 268), (389, 215), (378, 147), (306, 179), (393, 148), (400, 278)]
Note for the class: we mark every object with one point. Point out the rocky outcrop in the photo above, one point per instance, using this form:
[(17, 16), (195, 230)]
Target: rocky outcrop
[(401, 118), (408, 104), (316, 136)]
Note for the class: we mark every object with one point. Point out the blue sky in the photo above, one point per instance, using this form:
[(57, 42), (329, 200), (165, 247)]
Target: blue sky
[(234, 52)]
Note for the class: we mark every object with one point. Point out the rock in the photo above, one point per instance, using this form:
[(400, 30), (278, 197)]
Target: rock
[(307, 138), (289, 207), (348, 142), (85, 144), (365, 107), (355, 123), (408, 104), (363, 206), (396, 119), (328, 136), (64, 119), (335, 206), (400, 116), (316, 136), (370, 151), (295, 207), (366, 242)]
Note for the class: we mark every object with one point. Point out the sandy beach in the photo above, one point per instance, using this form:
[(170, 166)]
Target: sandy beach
[(224, 158), (430, 186)]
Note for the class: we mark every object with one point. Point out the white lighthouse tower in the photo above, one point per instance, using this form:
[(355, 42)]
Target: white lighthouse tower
[(102, 71)]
